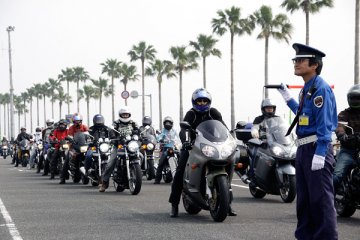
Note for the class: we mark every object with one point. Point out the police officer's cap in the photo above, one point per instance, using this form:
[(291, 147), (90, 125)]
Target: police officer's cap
[(304, 51)]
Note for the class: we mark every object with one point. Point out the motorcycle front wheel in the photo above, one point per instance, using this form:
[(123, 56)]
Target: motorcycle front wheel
[(219, 202), (150, 171), (167, 176), (344, 209), (135, 179), (288, 189)]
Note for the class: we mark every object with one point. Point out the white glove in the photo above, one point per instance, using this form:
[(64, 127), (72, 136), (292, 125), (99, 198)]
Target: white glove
[(254, 133), (318, 162), (284, 91)]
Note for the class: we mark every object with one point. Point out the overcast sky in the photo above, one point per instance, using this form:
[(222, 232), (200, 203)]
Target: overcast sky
[(51, 35)]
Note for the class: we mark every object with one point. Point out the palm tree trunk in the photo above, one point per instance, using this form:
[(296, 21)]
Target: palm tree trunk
[(143, 88), (232, 81), (112, 98), (204, 72), (52, 108), (100, 101), (307, 16), (60, 108), (160, 104), (19, 119), (38, 112), (68, 97), (356, 65), (77, 96), (87, 110), (25, 114), (31, 114), (125, 90), (180, 90), (8, 117), (266, 66), (44, 111)]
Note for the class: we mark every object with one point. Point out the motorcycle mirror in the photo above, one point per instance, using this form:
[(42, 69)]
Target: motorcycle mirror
[(147, 127), (185, 125)]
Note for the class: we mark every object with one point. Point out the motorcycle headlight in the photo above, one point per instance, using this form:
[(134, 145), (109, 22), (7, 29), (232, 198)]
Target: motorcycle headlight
[(150, 146), (135, 137), (209, 151), (104, 147), (83, 149), (227, 150), (133, 146), (40, 146), (4, 147), (65, 146), (277, 151)]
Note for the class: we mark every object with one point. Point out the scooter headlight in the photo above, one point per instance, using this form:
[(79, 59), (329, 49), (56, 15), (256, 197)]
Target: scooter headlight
[(40, 146), (135, 137), (65, 146), (104, 147), (150, 146), (227, 150), (277, 151), (83, 149), (133, 146), (209, 151), (4, 147)]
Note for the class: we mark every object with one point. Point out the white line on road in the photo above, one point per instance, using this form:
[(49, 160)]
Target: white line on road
[(9, 222), (235, 185)]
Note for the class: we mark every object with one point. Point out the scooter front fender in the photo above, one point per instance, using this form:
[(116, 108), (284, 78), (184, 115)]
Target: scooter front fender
[(287, 169), (214, 173)]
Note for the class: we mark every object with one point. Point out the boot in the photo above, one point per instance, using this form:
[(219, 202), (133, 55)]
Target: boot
[(103, 186), (52, 176), (62, 181), (174, 210), (231, 212), (44, 174)]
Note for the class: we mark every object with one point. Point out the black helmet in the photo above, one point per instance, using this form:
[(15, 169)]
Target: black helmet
[(98, 120), (353, 96), (168, 123), (146, 121), (62, 124), (38, 129), (267, 103)]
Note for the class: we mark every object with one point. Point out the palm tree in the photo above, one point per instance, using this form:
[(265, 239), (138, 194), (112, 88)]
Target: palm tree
[(79, 75), (1, 103), (88, 92), (230, 20), (160, 69), (68, 76), (45, 92), (61, 96), (54, 85), (128, 73), (31, 93), (101, 87), (112, 68), (205, 46), (142, 52), (307, 6), (20, 107), (185, 61), (24, 96), (277, 27), (38, 94)]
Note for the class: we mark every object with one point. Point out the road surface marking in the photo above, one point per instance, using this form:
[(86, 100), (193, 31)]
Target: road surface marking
[(9, 222)]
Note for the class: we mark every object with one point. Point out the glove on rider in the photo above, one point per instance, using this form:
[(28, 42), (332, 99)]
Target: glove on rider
[(284, 91), (318, 162), (254, 133), (186, 146)]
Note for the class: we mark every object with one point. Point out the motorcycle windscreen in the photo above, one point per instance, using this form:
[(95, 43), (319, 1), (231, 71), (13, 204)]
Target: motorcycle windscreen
[(276, 129), (213, 130), (80, 138)]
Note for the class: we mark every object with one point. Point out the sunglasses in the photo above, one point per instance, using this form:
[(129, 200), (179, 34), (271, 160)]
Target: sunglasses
[(202, 101), (299, 60)]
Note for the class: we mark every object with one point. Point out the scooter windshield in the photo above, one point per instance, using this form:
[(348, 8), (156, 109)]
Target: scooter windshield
[(276, 129), (80, 138), (213, 130)]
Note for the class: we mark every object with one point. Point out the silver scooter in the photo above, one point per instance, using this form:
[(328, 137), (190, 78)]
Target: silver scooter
[(206, 182)]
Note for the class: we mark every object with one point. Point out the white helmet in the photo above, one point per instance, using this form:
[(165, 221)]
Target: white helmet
[(125, 114), (49, 122)]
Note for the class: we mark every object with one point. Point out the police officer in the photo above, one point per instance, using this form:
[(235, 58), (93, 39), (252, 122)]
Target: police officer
[(200, 112), (316, 119), (349, 144)]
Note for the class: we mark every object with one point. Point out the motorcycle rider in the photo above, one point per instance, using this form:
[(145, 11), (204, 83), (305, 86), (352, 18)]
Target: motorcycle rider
[(147, 121), (59, 134), (77, 126), (4, 142), (124, 126), (168, 137), (46, 133), (200, 112), (37, 140), (98, 130), (349, 143), (21, 136)]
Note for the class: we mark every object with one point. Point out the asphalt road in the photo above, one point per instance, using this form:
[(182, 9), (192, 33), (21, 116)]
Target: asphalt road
[(35, 208)]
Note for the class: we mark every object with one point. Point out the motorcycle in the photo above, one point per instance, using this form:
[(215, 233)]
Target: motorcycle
[(76, 156), (25, 152), (148, 143), (101, 155), (273, 160), (4, 150), (127, 173), (348, 201), (171, 162), (206, 181)]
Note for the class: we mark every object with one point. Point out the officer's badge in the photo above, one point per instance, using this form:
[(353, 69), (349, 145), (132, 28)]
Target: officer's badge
[(318, 101)]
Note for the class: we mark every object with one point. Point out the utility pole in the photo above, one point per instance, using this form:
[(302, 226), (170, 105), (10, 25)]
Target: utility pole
[(12, 128)]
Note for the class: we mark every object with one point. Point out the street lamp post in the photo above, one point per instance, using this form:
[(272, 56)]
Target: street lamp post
[(12, 129)]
